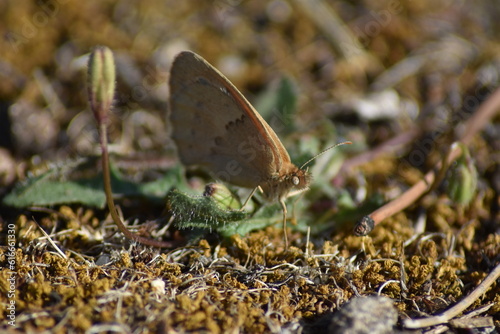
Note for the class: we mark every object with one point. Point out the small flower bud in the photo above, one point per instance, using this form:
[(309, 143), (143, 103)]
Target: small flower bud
[(222, 196), (462, 184), (101, 82)]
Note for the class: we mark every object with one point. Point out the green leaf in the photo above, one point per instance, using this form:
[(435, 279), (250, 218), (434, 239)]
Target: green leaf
[(267, 216), (45, 190), (206, 213), (199, 211), (70, 183)]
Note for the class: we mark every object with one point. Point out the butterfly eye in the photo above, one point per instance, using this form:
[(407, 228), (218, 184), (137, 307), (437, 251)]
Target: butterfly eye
[(295, 180)]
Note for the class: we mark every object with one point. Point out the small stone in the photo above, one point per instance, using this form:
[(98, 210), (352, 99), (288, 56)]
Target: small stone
[(370, 315)]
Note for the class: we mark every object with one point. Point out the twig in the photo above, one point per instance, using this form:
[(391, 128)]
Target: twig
[(459, 307), (483, 114), (470, 323), (109, 196)]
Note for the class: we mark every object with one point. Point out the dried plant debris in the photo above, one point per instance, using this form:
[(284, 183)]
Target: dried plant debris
[(246, 283), (403, 81)]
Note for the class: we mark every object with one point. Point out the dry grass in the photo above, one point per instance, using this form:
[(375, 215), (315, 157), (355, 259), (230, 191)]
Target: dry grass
[(439, 60)]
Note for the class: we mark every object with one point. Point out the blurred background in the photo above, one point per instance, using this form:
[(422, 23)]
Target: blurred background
[(362, 71), (398, 78)]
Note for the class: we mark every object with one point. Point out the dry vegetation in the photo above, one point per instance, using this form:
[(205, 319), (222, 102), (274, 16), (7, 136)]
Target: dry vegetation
[(416, 72)]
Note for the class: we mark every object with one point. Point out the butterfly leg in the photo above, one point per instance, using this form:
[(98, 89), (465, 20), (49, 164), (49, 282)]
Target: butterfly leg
[(250, 196), (283, 206)]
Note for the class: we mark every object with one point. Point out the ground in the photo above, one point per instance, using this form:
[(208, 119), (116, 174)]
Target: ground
[(403, 81)]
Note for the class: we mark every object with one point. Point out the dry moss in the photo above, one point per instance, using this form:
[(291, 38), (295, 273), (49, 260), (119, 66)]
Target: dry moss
[(249, 283)]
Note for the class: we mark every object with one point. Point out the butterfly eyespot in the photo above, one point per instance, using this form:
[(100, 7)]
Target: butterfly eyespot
[(295, 180)]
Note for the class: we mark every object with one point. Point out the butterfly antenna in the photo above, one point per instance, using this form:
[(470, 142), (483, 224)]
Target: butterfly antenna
[(324, 151)]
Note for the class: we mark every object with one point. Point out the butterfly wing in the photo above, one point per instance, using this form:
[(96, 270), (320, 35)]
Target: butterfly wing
[(216, 127)]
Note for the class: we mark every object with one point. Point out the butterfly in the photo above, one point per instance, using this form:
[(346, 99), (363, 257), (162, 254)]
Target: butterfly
[(215, 127)]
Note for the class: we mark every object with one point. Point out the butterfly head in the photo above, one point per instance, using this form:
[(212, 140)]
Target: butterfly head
[(287, 184), (299, 179)]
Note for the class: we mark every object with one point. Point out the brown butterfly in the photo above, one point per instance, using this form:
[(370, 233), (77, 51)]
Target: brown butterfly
[(215, 127)]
